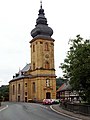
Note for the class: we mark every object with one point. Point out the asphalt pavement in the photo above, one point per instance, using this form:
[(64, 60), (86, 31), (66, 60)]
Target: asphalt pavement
[(11, 111), (29, 111)]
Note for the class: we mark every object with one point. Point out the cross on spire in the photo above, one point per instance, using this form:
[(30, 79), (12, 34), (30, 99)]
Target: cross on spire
[(41, 4)]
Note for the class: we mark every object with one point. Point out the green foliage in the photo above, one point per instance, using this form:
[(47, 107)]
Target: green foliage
[(4, 92), (76, 66)]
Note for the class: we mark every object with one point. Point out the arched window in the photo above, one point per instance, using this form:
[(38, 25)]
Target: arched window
[(18, 88), (46, 47), (46, 65), (25, 84), (33, 48), (13, 90), (34, 87)]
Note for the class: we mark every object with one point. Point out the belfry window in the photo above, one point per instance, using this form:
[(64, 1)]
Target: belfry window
[(46, 47), (25, 84), (46, 65), (33, 48)]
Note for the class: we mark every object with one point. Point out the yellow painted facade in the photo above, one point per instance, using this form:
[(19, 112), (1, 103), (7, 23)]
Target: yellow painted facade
[(39, 81)]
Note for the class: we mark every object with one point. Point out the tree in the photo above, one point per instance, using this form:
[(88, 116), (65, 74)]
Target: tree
[(4, 93), (76, 66)]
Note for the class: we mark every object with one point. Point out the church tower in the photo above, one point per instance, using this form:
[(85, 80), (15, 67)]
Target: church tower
[(37, 80), (42, 58)]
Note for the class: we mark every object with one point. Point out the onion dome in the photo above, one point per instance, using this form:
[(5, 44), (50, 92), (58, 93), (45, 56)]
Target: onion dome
[(41, 29)]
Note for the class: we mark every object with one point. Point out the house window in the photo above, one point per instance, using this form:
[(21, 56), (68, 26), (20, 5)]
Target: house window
[(46, 47), (18, 88), (47, 83), (34, 88), (13, 90), (47, 65)]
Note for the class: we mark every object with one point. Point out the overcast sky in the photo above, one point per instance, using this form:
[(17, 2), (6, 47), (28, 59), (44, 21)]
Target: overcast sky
[(67, 18)]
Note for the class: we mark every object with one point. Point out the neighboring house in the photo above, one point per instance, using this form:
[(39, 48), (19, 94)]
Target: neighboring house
[(65, 93), (37, 80)]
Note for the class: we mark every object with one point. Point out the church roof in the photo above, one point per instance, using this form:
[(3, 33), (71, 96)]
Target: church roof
[(21, 74), (64, 87), (41, 29), (26, 68)]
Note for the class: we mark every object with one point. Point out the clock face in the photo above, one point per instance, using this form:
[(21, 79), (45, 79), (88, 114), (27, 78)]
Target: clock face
[(46, 56)]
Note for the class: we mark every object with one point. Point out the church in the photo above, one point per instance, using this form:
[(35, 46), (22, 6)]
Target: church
[(37, 80)]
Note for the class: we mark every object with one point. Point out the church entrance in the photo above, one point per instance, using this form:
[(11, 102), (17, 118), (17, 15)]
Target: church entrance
[(48, 95)]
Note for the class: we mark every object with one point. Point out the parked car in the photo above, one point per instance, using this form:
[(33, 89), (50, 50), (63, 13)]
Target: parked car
[(47, 102), (55, 101)]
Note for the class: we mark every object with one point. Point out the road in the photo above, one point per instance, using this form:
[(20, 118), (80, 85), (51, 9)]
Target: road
[(29, 111)]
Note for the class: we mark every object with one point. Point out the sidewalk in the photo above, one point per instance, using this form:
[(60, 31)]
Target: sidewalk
[(3, 107), (58, 109)]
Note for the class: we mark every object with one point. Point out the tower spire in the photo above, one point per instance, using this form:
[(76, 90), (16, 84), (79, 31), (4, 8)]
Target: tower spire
[(41, 28)]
